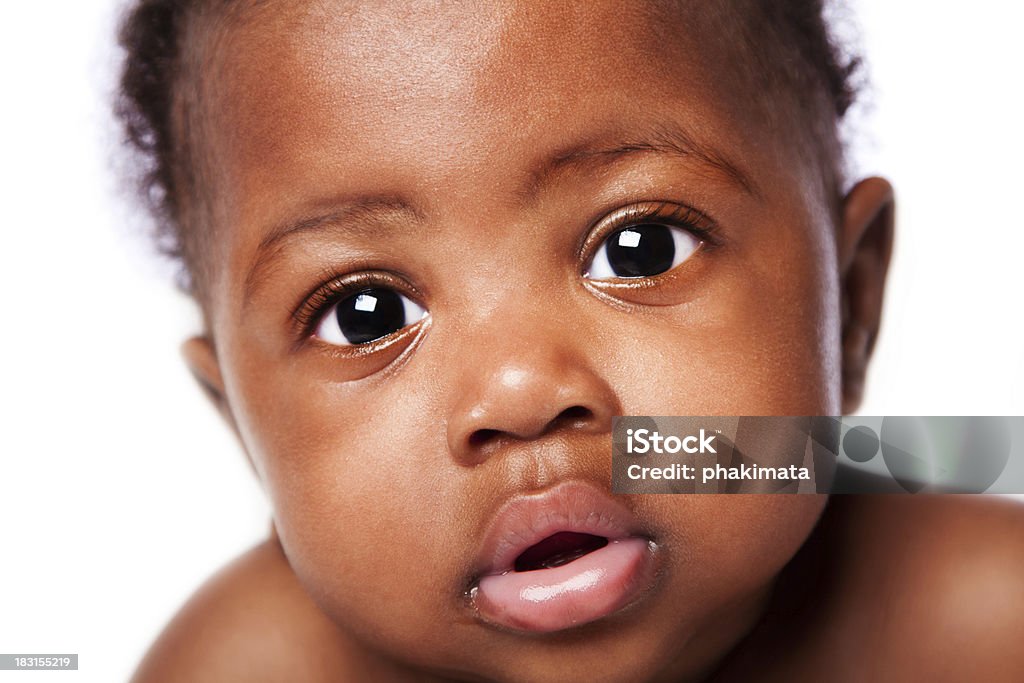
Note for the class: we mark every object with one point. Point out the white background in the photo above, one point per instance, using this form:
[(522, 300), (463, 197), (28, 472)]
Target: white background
[(119, 489)]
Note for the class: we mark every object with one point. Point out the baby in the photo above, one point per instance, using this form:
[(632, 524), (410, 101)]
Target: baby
[(439, 245)]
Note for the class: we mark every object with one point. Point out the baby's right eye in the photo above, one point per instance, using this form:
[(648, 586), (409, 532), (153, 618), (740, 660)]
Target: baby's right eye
[(368, 315)]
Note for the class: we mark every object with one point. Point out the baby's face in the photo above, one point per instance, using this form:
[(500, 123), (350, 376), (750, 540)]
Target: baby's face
[(452, 243)]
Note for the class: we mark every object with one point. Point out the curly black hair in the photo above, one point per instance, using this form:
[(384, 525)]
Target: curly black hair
[(790, 40), (150, 35)]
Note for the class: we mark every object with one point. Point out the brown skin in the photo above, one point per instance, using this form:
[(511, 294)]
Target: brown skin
[(887, 589), (485, 156)]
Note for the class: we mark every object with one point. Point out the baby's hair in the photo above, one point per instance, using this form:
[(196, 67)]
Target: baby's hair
[(789, 41)]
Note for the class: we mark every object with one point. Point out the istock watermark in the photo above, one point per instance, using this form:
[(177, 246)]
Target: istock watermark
[(817, 454)]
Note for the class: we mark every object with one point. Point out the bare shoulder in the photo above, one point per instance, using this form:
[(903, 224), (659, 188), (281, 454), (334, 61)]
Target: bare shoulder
[(250, 622), (930, 586)]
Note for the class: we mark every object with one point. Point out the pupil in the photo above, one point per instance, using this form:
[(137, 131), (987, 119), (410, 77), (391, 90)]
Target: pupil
[(641, 251), (370, 314)]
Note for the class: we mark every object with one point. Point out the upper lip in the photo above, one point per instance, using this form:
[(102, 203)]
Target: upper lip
[(527, 519)]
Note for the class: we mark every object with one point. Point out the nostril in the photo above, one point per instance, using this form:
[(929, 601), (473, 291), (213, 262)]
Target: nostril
[(482, 437), (568, 418), (572, 416)]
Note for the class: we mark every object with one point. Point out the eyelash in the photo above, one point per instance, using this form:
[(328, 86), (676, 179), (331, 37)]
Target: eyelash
[(662, 213), (317, 303)]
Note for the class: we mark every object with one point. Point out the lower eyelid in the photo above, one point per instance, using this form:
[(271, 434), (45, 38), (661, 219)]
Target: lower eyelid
[(377, 346)]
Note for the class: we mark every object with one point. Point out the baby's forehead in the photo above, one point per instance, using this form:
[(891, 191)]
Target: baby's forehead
[(463, 57), (455, 79)]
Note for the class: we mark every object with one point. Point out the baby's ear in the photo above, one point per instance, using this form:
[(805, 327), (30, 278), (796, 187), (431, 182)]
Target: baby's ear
[(201, 358), (865, 246)]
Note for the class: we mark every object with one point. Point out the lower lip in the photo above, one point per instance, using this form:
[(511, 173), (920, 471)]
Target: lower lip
[(592, 587)]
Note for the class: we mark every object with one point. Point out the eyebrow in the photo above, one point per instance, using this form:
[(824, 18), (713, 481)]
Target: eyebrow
[(362, 215), (669, 139)]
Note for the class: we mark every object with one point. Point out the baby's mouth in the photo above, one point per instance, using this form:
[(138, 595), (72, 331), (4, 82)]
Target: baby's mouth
[(561, 558), (558, 549)]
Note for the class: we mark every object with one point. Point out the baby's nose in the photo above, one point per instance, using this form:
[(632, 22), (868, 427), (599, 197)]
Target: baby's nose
[(517, 390)]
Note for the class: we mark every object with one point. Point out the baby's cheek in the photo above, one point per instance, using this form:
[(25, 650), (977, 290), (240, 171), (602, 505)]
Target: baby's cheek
[(750, 343), (357, 490), (740, 366), (725, 547)]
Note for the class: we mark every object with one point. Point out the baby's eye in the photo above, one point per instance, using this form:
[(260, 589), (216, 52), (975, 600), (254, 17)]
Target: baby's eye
[(368, 315), (642, 251)]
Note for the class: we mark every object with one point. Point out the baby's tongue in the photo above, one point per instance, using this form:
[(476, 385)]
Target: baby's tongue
[(569, 593)]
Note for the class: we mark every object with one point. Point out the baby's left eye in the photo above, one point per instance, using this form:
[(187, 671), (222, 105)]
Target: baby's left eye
[(368, 315), (642, 250)]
